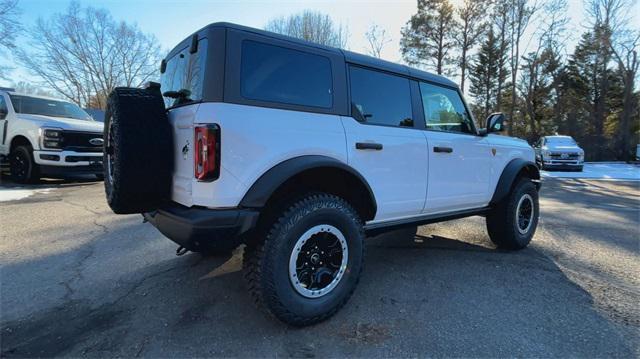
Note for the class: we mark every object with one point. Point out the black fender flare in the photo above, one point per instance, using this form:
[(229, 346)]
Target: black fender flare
[(262, 189), (509, 175)]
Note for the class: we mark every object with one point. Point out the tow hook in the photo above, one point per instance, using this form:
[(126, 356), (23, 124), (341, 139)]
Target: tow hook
[(181, 251)]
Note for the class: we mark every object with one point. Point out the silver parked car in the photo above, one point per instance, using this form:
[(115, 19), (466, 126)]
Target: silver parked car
[(559, 152)]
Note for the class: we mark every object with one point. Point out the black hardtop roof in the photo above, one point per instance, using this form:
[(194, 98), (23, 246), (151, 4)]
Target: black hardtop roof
[(349, 56)]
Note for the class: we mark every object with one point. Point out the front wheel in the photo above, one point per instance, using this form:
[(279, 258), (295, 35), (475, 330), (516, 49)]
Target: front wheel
[(309, 264), (513, 222), (22, 166)]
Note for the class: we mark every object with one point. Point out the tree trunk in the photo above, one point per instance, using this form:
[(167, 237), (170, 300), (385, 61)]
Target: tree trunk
[(463, 68), (628, 104)]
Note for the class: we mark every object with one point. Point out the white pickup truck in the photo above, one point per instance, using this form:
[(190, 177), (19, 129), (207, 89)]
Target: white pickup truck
[(43, 136)]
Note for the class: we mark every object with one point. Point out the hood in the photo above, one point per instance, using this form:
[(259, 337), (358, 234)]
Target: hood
[(508, 141), (562, 148), (63, 123)]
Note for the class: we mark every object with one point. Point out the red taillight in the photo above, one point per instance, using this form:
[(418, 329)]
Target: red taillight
[(207, 152)]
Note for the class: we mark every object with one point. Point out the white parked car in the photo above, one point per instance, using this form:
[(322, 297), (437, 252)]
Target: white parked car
[(559, 152), (43, 136), (299, 151)]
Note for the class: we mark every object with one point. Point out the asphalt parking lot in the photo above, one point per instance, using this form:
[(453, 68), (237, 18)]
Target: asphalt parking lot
[(77, 280)]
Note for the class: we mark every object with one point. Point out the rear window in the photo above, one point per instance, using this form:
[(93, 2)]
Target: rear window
[(277, 74), (380, 98), (185, 71)]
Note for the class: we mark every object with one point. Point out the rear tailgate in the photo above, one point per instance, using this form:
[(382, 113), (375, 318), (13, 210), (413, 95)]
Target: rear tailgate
[(182, 119)]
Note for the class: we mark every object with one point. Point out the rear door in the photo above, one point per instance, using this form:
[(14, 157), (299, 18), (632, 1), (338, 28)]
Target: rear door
[(459, 159), (184, 71), (382, 143)]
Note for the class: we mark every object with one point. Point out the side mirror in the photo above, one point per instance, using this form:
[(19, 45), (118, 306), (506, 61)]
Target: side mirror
[(495, 123), (3, 113)]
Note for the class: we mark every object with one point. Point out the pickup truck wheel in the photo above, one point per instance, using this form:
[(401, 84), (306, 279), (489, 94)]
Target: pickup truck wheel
[(138, 152), (309, 264), (22, 166), (512, 223)]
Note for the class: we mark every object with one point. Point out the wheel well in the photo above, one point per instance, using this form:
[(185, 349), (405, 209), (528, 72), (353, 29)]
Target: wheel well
[(330, 180), (513, 172), (19, 141), (529, 171)]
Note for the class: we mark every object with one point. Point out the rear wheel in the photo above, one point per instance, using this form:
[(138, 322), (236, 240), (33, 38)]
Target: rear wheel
[(513, 222), (309, 264), (22, 165)]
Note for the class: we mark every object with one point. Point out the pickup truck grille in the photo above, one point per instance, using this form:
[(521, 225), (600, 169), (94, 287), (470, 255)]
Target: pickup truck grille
[(569, 156), (79, 141)]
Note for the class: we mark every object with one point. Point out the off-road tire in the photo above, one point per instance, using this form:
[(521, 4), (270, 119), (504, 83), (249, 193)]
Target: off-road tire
[(138, 158), (502, 222), (22, 166), (266, 261)]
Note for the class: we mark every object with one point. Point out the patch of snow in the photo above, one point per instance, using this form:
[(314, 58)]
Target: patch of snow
[(13, 194), (600, 170)]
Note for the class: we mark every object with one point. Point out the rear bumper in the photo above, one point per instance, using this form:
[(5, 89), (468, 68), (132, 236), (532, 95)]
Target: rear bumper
[(194, 228)]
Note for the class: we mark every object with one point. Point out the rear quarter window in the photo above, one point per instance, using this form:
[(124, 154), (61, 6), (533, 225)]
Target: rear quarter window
[(281, 75)]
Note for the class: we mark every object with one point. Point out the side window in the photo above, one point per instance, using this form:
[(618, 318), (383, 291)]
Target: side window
[(444, 110), (3, 108), (380, 98), (185, 71), (278, 74)]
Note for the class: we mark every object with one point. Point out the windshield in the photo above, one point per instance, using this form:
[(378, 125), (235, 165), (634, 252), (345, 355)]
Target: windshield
[(46, 107), (568, 141)]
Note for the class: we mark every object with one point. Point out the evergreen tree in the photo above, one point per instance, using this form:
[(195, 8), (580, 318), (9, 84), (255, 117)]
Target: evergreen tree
[(485, 75), (428, 37)]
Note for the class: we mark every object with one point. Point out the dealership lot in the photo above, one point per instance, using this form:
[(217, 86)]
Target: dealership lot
[(77, 280)]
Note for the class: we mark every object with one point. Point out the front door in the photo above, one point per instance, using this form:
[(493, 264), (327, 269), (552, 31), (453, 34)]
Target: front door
[(383, 145), (459, 160)]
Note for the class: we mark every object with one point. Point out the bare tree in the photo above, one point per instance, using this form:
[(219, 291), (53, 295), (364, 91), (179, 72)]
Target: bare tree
[(471, 28), (84, 53), (626, 54), (31, 89), (377, 39), (520, 14), (9, 29), (621, 42), (501, 15), (609, 19), (311, 26)]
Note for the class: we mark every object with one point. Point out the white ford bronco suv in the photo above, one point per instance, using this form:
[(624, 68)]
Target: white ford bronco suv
[(44, 136), (300, 151)]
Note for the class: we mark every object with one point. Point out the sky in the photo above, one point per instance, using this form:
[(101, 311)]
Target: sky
[(171, 20)]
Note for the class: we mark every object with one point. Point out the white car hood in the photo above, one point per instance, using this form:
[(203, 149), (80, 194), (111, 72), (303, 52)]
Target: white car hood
[(63, 123), (562, 148)]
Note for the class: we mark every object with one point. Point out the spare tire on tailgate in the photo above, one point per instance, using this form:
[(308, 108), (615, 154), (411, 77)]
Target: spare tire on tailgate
[(138, 155)]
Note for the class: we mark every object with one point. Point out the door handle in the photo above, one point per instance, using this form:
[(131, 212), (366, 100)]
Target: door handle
[(368, 146), (441, 149)]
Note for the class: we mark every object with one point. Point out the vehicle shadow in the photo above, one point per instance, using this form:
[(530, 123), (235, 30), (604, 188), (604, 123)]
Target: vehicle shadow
[(433, 296), (43, 183)]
